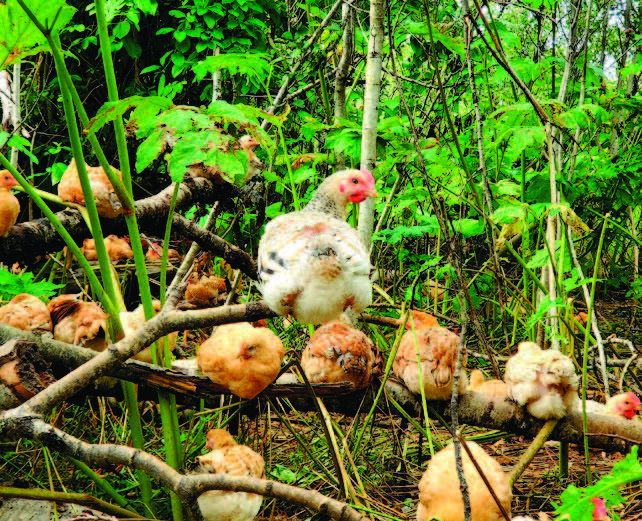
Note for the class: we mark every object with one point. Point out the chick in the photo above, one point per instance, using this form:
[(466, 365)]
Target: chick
[(543, 381), (437, 351), (9, 205), (227, 457), (242, 358), (26, 312), (491, 387), (107, 203), (117, 249), (249, 144), (623, 405), (338, 353), (203, 292), (440, 495), (79, 323), (155, 254), (132, 320)]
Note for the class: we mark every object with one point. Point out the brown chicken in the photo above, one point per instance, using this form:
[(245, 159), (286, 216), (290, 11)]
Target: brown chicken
[(117, 249), (227, 457), (491, 387), (254, 167), (155, 254), (203, 292), (338, 353), (9, 205), (437, 351), (625, 405), (79, 323), (70, 190), (242, 358), (132, 320), (543, 381), (440, 495), (26, 312)]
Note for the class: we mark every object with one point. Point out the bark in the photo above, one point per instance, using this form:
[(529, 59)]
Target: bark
[(474, 409), (341, 76), (371, 113)]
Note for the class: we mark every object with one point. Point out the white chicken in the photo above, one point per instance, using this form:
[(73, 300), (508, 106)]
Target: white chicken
[(543, 381), (623, 405), (312, 264)]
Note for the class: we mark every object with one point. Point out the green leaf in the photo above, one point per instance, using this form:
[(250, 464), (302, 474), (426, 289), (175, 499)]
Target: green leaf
[(19, 37), (115, 109), (469, 227), (236, 63), (12, 285), (149, 150)]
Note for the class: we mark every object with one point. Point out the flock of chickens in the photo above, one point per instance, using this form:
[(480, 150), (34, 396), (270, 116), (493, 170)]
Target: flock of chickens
[(313, 265)]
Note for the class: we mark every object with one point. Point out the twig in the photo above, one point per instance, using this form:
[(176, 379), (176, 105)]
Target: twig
[(532, 450)]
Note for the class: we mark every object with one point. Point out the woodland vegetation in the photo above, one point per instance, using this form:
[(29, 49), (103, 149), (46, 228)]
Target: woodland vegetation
[(505, 140)]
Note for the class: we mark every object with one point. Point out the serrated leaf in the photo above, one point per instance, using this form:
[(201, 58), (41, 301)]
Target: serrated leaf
[(12, 285), (149, 150), (235, 63), (112, 110)]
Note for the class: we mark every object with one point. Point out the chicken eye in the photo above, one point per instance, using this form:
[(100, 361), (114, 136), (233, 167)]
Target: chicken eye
[(355, 181)]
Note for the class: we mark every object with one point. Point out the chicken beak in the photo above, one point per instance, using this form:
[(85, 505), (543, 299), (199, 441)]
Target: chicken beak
[(638, 407), (371, 193)]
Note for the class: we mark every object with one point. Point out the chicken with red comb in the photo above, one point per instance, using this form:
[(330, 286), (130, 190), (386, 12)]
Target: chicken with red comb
[(311, 263), (599, 510), (624, 405)]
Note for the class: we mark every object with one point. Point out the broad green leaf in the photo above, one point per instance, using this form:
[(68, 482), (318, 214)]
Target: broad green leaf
[(469, 227), (19, 37), (150, 149), (235, 63), (113, 110)]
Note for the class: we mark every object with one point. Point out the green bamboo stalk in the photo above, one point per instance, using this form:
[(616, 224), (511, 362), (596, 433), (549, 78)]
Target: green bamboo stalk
[(587, 456), (57, 225), (101, 483)]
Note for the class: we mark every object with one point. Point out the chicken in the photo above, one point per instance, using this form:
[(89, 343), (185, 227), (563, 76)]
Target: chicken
[(132, 320), (242, 358), (107, 203), (117, 249), (254, 167), (623, 405), (440, 495), (311, 263), (338, 353), (437, 351), (227, 457), (543, 381), (492, 387), (9, 205), (155, 254), (26, 312), (203, 292), (79, 323), (599, 510)]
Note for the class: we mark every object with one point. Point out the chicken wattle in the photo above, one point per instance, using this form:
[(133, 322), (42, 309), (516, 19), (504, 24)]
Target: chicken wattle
[(312, 264)]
